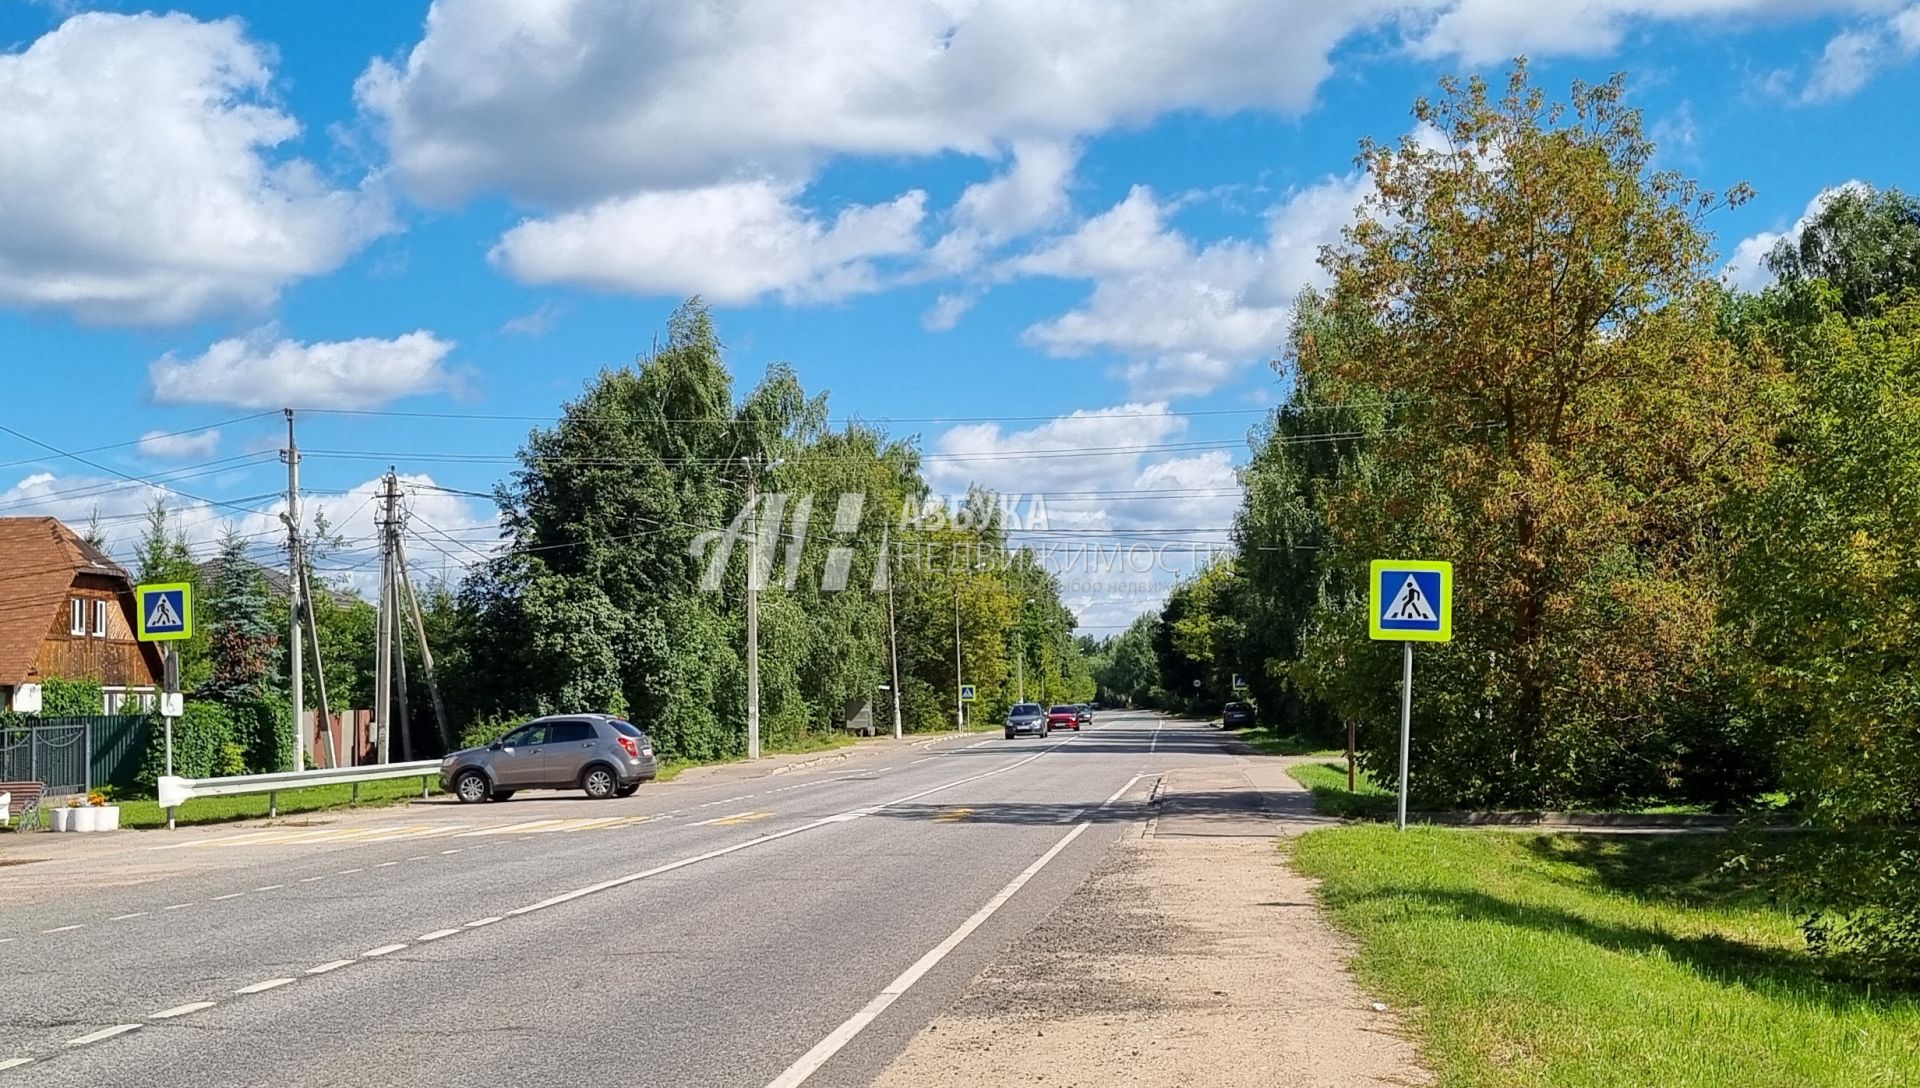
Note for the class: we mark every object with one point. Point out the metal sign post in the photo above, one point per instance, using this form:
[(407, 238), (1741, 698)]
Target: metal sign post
[(163, 612), (1409, 601)]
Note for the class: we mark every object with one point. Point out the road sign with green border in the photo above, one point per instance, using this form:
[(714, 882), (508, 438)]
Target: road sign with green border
[(163, 611)]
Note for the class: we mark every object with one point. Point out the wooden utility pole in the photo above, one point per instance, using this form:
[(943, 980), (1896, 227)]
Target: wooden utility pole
[(426, 652), (295, 568), (753, 611), (383, 655)]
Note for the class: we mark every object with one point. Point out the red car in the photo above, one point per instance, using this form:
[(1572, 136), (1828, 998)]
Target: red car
[(1064, 716)]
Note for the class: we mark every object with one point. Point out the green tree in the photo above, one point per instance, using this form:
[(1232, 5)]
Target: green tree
[(1544, 308), (1829, 588), (1863, 245), (161, 556)]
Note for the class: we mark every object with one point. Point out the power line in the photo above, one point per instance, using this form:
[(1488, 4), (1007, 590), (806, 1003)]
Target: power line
[(148, 438)]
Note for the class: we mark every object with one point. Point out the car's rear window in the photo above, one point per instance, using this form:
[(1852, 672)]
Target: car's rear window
[(1064, 709), (1025, 708), (628, 728)]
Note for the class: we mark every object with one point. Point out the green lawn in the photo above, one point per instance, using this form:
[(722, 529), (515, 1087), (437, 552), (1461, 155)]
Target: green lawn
[(1267, 742), (1328, 782), (212, 810), (1571, 961)]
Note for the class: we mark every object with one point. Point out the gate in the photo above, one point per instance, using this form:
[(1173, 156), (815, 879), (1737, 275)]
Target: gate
[(56, 755)]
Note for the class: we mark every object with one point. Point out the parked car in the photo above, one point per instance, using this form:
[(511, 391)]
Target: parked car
[(1026, 718), (1064, 716), (1236, 715), (1084, 715), (598, 753)]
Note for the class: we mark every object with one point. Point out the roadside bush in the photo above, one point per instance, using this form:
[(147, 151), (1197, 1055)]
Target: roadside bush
[(70, 698), (488, 729), (203, 746), (263, 728)]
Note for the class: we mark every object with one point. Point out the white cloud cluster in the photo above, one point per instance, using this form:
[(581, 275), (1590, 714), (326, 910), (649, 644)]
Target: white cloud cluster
[(1488, 31), (1854, 56), (732, 243), (138, 181), (1746, 269), (261, 372), (1188, 317)]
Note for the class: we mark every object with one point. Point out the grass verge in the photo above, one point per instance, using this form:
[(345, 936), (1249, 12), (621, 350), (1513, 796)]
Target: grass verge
[(213, 810), (1269, 743), (1328, 784), (1571, 961)]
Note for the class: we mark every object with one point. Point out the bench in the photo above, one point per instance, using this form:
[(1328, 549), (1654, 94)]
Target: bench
[(22, 799)]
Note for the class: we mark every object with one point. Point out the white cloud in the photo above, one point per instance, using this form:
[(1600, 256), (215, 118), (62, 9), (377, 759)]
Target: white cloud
[(1853, 57), (266, 373), (1188, 317), (947, 310), (536, 322), (1123, 522), (573, 101), (1489, 31), (179, 445), (1747, 269), (1031, 193), (138, 181), (732, 243)]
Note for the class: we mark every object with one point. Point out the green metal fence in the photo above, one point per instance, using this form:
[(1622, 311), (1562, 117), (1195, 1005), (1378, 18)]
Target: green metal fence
[(115, 745)]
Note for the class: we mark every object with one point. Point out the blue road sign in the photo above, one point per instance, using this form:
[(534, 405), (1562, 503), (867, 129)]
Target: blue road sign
[(1411, 600), (164, 612)]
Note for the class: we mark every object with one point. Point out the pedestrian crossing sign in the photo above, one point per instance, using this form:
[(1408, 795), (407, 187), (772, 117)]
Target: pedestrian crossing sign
[(164, 611), (1410, 600)]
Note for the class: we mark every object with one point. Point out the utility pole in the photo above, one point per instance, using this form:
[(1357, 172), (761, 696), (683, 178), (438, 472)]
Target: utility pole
[(1020, 663), (753, 611), (295, 579), (320, 673), (426, 653), (959, 704), (383, 656), (893, 637)]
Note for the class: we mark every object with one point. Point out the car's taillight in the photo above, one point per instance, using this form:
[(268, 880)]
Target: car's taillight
[(633, 750)]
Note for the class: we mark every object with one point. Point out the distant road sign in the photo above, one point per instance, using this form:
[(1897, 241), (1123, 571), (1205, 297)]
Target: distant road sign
[(966, 693), (1410, 600), (1239, 682), (164, 611)]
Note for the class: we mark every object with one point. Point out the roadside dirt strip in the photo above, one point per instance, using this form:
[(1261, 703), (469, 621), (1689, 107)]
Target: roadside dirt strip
[(1192, 956)]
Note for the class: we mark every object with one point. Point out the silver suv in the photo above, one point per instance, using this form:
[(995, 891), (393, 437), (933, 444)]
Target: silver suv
[(598, 753)]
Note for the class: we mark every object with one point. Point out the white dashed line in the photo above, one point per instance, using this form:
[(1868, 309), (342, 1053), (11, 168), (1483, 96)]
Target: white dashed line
[(8, 940), (63, 929), (224, 898), (455, 850), (15, 1063), (129, 917), (374, 953), (329, 966), (262, 987), (311, 879), (349, 872), (386, 864), (482, 922), (270, 888), (103, 1033), (419, 857), (181, 1010), (436, 934), (180, 906)]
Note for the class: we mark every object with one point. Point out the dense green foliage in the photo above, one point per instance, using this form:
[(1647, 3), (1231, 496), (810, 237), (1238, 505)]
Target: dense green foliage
[(1681, 519), (70, 698)]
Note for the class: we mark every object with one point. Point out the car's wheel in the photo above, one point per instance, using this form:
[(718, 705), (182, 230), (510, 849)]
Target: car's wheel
[(599, 782), (1009, 734), (471, 787), (627, 791), (503, 795)]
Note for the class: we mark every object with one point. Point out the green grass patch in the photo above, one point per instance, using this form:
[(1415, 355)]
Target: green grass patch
[(1583, 961), (1328, 784), (1267, 742), (213, 810)]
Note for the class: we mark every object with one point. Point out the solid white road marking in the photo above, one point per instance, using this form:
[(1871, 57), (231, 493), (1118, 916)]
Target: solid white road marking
[(103, 1033), (812, 1060), (262, 987), (384, 949), (181, 1010), (483, 922), (436, 934), (63, 929), (15, 1063), (329, 967)]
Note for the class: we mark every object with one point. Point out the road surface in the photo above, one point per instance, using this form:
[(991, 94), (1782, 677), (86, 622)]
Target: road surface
[(761, 931)]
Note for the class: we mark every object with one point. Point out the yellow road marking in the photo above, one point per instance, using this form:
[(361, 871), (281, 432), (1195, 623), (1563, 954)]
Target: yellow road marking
[(737, 818), (953, 815)]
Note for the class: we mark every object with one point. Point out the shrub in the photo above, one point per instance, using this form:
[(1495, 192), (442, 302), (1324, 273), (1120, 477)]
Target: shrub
[(203, 746), (70, 698)]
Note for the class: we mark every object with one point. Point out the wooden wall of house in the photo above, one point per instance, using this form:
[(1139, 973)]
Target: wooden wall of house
[(117, 660)]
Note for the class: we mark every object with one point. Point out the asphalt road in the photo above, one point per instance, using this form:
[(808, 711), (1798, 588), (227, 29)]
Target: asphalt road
[(739, 931)]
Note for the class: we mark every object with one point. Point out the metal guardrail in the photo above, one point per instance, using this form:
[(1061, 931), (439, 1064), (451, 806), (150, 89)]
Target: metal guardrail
[(175, 791)]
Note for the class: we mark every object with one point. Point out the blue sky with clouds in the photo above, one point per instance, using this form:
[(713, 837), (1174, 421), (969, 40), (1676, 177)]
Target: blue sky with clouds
[(1013, 228)]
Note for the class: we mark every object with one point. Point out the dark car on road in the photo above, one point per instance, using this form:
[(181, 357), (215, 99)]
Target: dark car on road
[(1026, 718), (1064, 716), (1084, 714), (598, 753), (1236, 715)]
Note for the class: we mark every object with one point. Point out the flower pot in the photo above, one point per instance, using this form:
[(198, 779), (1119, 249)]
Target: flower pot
[(61, 818), (109, 817), (85, 818)]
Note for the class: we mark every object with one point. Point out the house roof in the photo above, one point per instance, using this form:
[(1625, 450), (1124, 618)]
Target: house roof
[(39, 559)]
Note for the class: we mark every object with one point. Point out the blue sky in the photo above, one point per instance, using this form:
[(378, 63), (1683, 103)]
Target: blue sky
[(1008, 227)]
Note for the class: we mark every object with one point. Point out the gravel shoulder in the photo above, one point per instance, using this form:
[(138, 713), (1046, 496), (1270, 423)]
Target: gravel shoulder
[(1191, 956)]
